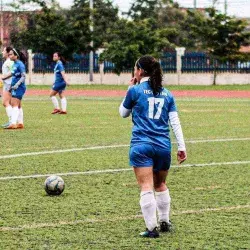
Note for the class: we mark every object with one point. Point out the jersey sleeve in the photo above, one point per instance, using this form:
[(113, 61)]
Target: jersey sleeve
[(22, 68), (60, 67), (172, 105), (130, 98)]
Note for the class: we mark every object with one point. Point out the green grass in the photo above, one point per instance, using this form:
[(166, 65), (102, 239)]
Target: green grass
[(100, 211)]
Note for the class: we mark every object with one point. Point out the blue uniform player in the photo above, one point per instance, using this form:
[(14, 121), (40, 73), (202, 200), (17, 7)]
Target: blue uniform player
[(153, 108), (17, 88), (59, 85)]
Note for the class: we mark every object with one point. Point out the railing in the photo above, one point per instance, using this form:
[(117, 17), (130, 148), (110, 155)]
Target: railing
[(199, 62), (192, 62)]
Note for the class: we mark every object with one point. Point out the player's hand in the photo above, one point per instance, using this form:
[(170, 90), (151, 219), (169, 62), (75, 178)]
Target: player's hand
[(15, 86), (133, 81), (181, 156)]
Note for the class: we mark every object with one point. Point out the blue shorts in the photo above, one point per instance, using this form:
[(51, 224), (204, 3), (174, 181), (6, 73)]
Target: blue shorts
[(18, 93), (146, 155), (59, 87)]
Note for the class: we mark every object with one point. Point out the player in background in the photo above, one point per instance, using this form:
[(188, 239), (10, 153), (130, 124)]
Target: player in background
[(17, 88), (59, 85), (6, 69), (153, 108)]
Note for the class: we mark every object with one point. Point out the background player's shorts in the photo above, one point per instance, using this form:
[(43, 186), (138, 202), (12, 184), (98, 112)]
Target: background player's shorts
[(6, 87), (59, 87), (146, 155), (18, 93)]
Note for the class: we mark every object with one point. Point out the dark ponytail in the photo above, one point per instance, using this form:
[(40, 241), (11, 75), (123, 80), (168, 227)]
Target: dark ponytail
[(20, 55), (62, 59), (152, 68)]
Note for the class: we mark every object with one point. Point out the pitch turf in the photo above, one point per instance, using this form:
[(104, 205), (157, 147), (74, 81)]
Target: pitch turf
[(210, 202)]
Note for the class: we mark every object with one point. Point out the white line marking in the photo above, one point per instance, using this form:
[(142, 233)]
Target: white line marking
[(119, 170), (60, 151), (79, 222), (111, 146)]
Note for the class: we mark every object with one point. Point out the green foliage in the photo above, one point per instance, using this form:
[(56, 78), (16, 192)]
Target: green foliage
[(219, 34), (47, 31), (131, 39)]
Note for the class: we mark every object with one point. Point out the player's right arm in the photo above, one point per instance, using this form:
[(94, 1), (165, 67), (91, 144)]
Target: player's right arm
[(126, 106)]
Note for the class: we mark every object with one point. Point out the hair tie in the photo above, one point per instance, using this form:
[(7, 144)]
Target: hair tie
[(16, 52)]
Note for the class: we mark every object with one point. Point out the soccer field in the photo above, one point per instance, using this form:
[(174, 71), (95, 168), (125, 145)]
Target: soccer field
[(99, 208)]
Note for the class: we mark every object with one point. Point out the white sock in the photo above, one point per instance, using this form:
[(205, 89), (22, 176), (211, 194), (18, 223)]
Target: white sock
[(8, 112), (20, 116), (14, 115), (55, 102), (163, 205), (148, 208), (64, 104)]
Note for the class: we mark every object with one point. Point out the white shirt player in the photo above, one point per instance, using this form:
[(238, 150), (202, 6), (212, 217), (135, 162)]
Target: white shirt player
[(6, 69)]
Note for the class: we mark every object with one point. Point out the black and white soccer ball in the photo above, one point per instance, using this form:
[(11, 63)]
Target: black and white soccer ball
[(54, 185)]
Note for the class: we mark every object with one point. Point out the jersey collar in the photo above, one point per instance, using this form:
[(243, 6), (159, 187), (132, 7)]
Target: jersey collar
[(144, 79)]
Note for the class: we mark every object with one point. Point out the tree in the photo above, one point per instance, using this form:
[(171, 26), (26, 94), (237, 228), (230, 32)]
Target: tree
[(220, 35), (46, 31), (105, 15), (144, 9), (132, 39)]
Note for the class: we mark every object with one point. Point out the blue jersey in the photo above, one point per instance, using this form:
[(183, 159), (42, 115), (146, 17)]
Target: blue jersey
[(150, 115), (58, 73), (17, 70)]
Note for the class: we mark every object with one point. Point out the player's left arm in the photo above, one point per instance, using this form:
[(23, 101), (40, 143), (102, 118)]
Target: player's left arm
[(62, 70), (65, 77), (22, 78), (177, 129)]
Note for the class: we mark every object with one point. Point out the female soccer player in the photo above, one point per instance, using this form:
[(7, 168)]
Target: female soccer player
[(6, 69), (59, 85), (17, 88), (152, 107)]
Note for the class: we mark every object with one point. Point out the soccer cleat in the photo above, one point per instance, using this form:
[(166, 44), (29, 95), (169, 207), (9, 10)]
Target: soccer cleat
[(63, 113), (166, 227), (150, 234), (5, 125), (20, 126), (11, 126), (56, 111)]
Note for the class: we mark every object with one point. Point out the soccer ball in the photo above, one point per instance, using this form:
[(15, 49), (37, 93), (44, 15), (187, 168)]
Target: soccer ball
[(54, 185)]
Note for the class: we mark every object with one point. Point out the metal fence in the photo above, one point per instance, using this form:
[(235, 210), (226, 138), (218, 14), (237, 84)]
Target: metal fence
[(192, 62), (199, 62)]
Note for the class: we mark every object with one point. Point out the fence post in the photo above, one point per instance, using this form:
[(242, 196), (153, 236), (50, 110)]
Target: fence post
[(179, 53), (30, 65), (101, 64)]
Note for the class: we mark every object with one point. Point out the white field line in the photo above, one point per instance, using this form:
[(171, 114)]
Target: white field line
[(111, 171), (111, 146), (79, 222)]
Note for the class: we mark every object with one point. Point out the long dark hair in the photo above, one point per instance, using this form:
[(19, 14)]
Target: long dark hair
[(62, 59), (20, 55), (152, 68), (8, 49)]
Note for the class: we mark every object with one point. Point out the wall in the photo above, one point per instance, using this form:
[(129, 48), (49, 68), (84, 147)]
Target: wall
[(171, 79)]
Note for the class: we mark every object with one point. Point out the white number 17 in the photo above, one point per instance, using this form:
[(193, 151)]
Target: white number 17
[(152, 102)]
